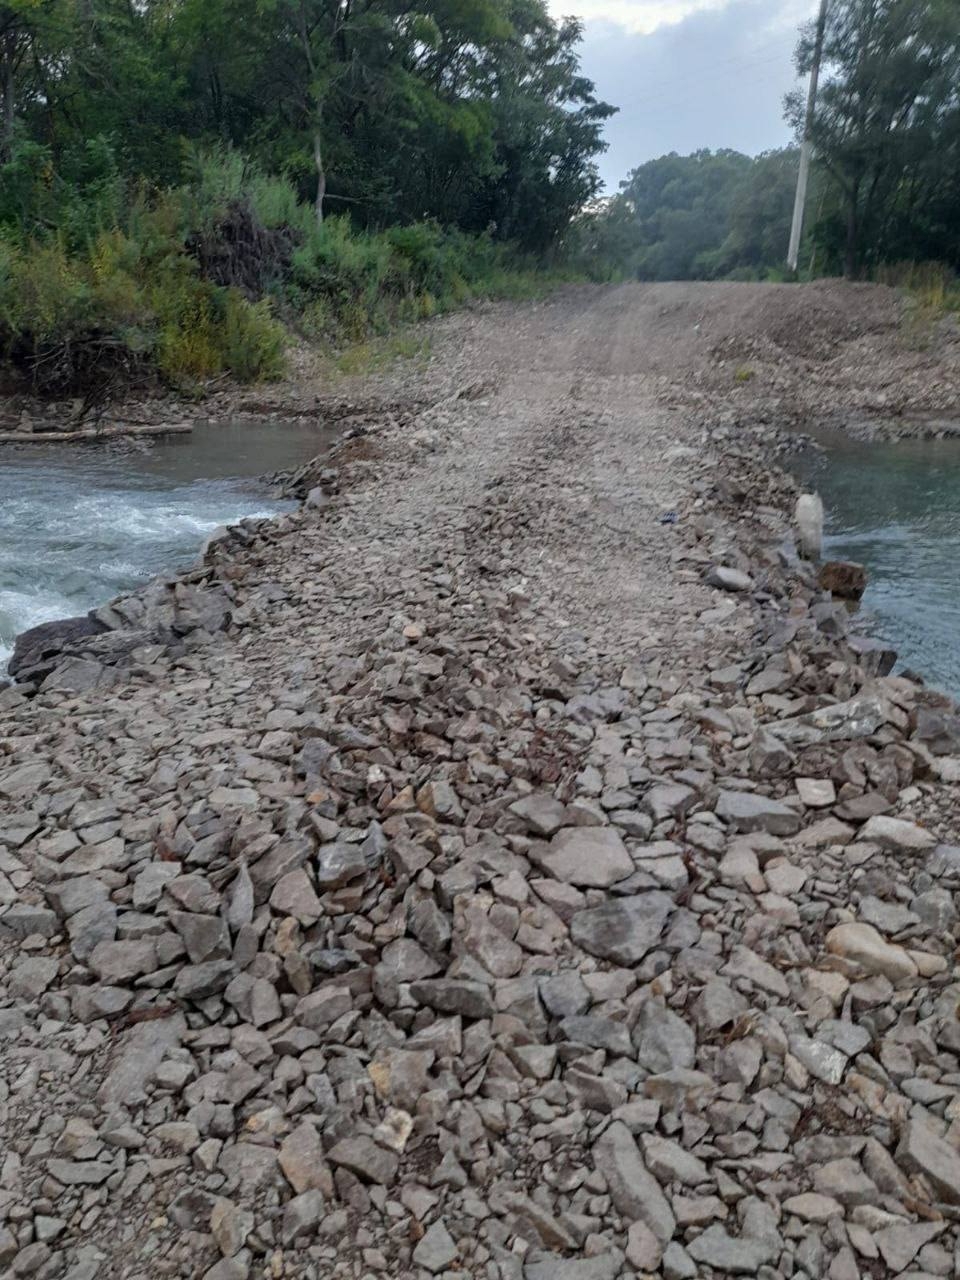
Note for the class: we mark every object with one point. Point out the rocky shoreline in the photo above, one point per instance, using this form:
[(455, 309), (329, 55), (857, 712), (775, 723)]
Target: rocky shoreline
[(508, 864)]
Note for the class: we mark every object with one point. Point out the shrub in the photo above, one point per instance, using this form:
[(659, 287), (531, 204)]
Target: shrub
[(253, 342), (102, 282)]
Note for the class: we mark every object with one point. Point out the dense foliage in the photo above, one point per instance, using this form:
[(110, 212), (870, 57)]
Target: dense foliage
[(174, 174), (707, 216), (887, 132)]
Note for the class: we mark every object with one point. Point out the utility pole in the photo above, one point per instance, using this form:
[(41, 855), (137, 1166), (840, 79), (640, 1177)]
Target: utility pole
[(806, 147)]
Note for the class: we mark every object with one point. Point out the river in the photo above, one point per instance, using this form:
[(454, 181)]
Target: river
[(895, 508), (81, 523)]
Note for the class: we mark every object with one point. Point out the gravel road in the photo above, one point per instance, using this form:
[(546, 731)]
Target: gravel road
[(507, 865)]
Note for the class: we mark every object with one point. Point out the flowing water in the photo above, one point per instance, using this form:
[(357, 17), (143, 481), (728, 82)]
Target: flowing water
[(895, 508), (82, 523)]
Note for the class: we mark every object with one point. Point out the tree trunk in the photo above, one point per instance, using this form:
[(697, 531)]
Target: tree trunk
[(321, 175), (851, 264), (8, 57)]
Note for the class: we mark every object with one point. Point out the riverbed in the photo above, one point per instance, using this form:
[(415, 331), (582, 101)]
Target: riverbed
[(895, 508), (81, 523)]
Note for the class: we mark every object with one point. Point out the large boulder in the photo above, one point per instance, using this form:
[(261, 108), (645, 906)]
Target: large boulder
[(36, 650)]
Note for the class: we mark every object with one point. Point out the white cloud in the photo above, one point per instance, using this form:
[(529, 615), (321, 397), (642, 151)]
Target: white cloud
[(713, 78), (639, 16), (642, 17)]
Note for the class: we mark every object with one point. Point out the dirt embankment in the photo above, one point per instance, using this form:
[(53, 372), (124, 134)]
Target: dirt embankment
[(503, 866)]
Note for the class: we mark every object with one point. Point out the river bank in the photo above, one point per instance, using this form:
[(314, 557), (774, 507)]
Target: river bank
[(502, 864), (78, 524)]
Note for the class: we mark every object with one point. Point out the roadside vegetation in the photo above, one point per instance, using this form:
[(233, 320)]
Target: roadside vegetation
[(182, 184)]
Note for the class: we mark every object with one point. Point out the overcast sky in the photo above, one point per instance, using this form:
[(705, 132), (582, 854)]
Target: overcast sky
[(689, 73)]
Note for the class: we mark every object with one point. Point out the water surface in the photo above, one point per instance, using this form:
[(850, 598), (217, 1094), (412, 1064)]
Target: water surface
[(82, 523), (895, 508)]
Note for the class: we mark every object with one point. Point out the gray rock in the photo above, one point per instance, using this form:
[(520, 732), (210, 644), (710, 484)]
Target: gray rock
[(302, 1160), (255, 999), (402, 1076), (677, 1263), (118, 962), (634, 1190), (662, 1039), (237, 1268), (79, 1173), (564, 994), (603, 1266), (436, 1249), (70, 896), (363, 1157), (338, 864), (625, 929), (669, 800), (141, 1050), (205, 937), (541, 812), (823, 1061), (938, 731), (899, 1244), (944, 860), (301, 1215), (430, 926), (589, 857), (745, 811), (921, 1150), (669, 1162), (845, 1180), (718, 1005), (21, 920), (240, 899), (897, 835), (197, 981), (321, 1008), (597, 1033), (454, 995), (644, 1250), (230, 1225), (75, 675), (858, 718), (935, 909), (91, 926), (498, 954), (33, 649), (31, 977), (728, 579), (729, 1255)]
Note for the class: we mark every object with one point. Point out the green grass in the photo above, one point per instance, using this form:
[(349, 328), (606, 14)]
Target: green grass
[(933, 286), (932, 291), (377, 353)]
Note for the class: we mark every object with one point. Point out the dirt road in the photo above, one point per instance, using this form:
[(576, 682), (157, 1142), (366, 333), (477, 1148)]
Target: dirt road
[(484, 870)]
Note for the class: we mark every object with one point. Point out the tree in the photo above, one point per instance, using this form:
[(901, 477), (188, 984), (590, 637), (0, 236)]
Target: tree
[(32, 32), (471, 112), (682, 205), (892, 69), (760, 214)]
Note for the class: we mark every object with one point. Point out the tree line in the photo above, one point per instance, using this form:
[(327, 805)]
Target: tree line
[(886, 181), (173, 172), (472, 112)]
